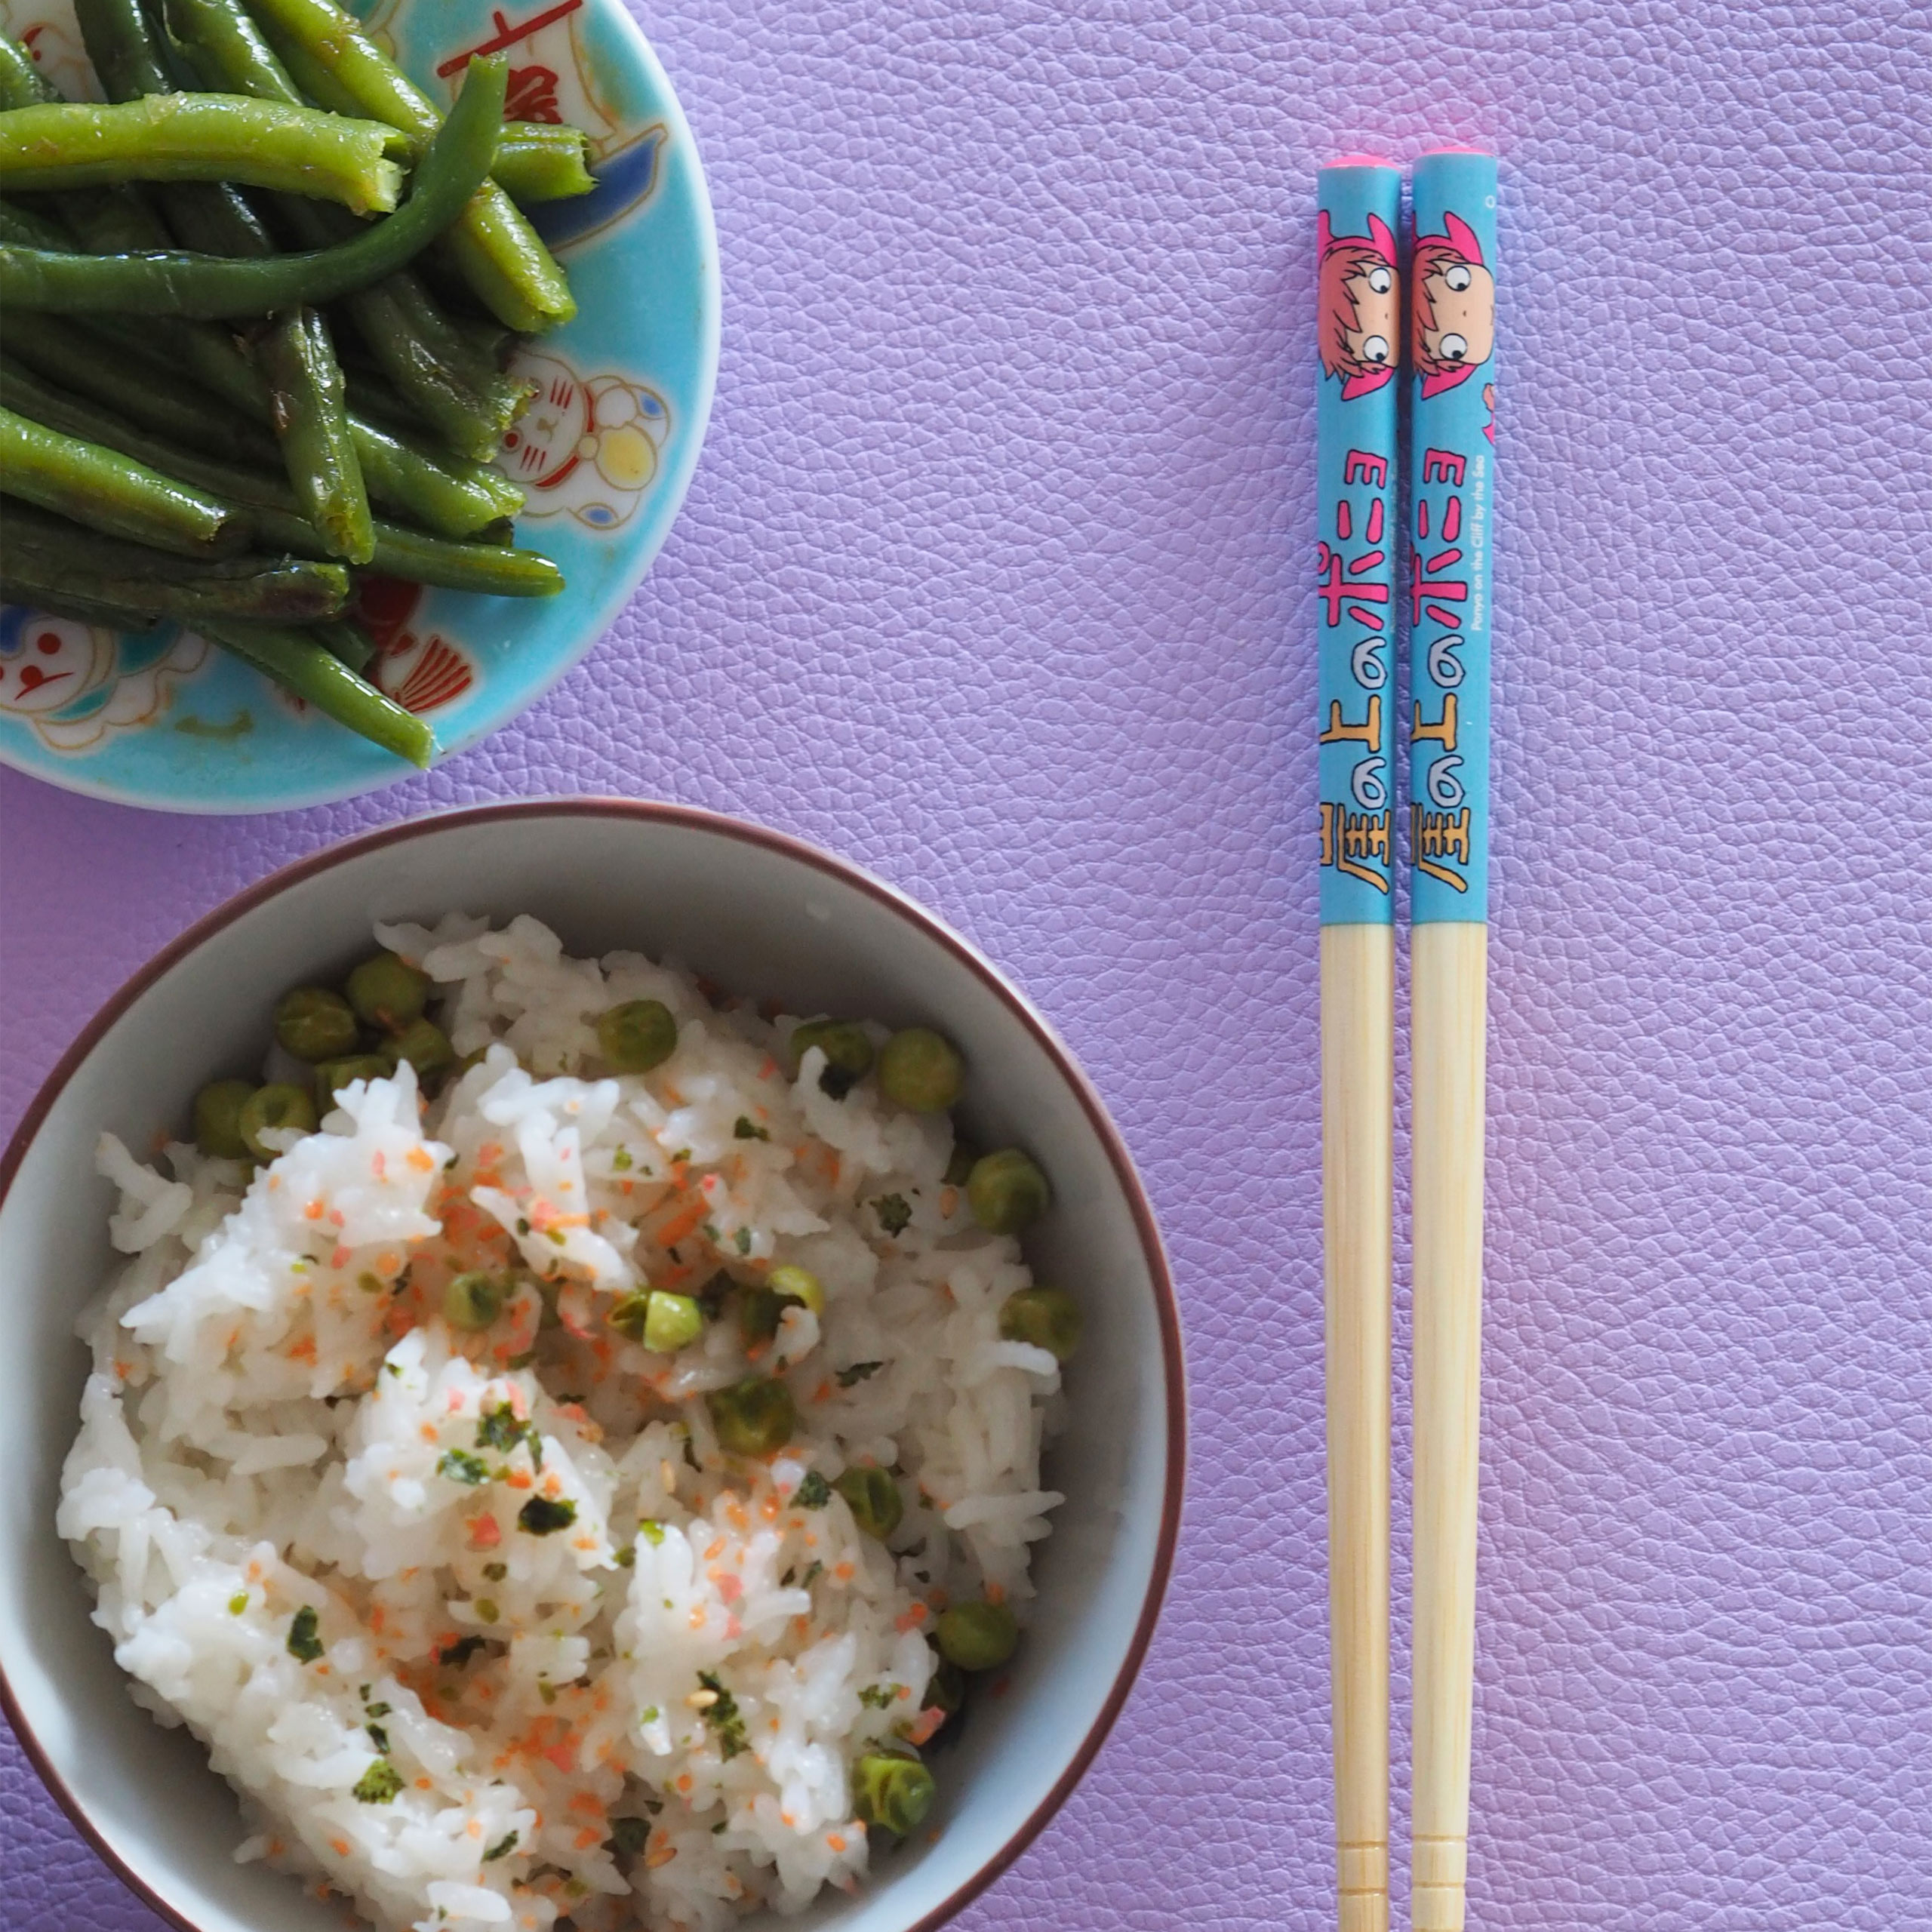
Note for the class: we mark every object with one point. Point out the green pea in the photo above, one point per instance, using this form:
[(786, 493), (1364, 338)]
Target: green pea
[(277, 1106), (753, 1417), (758, 1312), (333, 1075), (1049, 1318), (848, 1049), (922, 1070), (793, 1284), (1007, 1191), (671, 1322), (388, 992), (946, 1689), (977, 1636), (892, 1790), (474, 1300), (874, 1499), (638, 1036), (425, 1045), (314, 1024), (218, 1119)]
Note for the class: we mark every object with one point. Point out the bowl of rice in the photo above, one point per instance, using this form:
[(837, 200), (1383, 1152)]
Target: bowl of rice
[(575, 1365)]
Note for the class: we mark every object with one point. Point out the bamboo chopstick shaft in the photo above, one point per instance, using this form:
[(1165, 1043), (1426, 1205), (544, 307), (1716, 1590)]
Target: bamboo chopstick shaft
[(1446, 1022), (1357, 1006)]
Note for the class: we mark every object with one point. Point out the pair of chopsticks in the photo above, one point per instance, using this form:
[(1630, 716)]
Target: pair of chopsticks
[(1381, 359)]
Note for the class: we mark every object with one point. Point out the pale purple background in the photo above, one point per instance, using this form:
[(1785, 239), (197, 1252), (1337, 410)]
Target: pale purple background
[(995, 578)]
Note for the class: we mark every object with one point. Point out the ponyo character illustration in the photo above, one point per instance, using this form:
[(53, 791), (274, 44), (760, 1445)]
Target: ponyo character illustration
[(1452, 309), (586, 445), (1358, 305)]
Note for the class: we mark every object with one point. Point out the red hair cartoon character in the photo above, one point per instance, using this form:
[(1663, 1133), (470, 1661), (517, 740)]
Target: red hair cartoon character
[(1452, 320), (1357, 303)]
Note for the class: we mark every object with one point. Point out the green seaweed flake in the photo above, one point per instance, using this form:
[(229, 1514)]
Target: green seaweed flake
[(723, 1718)]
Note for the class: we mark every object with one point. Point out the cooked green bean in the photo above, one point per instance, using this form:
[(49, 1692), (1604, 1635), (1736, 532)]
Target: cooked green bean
[(324, 469), (343, 638), (199, 137), (448, 495), (218, 1119), (296, 661), (64, 604), (435, 368), (537, 162), (387, 991), (492, 569), (125, 58), (22, 84), (108, 491), (331, 59), (44, 553), (80, 360), (170, 284), (315, 1023)]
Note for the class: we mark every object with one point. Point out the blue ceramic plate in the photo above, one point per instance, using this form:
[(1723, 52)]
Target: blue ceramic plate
[(605, 452)]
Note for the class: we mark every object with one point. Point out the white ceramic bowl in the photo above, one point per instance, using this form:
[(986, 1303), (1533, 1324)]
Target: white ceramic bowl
[(758, 913)]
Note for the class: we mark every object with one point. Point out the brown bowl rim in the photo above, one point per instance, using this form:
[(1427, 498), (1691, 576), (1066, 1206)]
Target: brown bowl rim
[(696, 819)]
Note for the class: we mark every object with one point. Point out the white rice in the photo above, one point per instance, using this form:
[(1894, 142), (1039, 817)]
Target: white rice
[(275, 1394)]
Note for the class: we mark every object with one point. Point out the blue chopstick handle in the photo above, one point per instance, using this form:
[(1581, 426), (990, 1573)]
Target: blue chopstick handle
[(1358, 322), (1452, 464)]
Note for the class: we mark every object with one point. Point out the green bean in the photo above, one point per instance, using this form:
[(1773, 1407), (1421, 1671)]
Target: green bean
[(65, 604), (538, 162), (671, 1322), (449, 496), (198, 137), (125, 57), (107, 491), (228, 50), (173, 284), (51, 558), (345, 638), (80, 360), (329, 57), (296, 661), (445, 380), (265, 502), (434, 370), (424, 1044), (22, 84), (323, 468)]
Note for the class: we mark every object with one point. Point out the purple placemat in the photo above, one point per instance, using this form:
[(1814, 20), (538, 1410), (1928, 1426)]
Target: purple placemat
[(995, 577)]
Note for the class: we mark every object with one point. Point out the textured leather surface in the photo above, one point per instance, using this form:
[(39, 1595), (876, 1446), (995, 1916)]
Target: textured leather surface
[(995, 577)]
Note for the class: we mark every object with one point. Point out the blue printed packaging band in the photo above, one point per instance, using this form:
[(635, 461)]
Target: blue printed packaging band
[(1452, 464), (1359, 323)]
